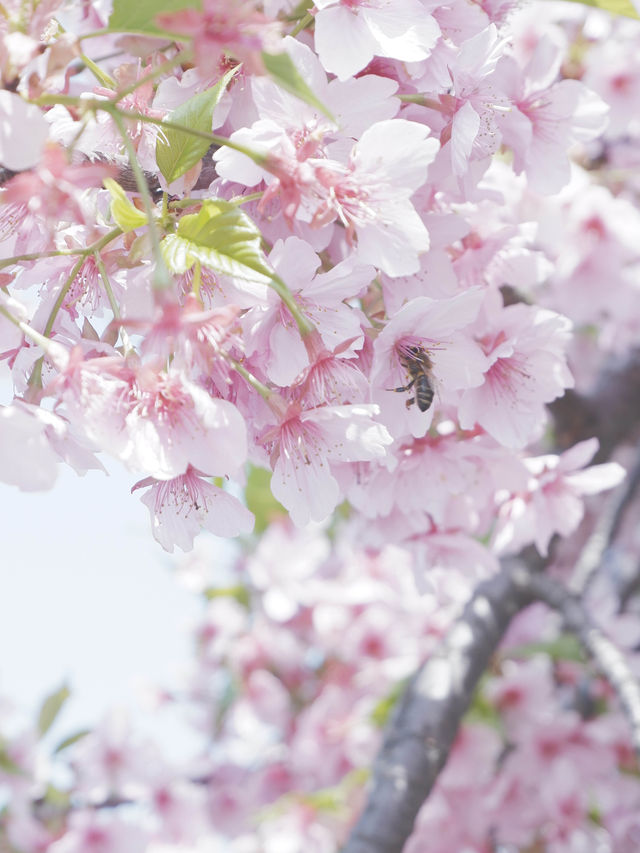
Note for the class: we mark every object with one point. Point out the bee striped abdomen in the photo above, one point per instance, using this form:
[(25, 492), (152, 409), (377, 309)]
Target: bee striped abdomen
[(424, 392)]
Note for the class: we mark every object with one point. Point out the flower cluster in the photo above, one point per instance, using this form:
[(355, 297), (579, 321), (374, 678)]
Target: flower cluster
[(299, 657), (359, 248), (373, 343)]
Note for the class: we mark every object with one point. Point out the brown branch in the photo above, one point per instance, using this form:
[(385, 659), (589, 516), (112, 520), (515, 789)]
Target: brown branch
[(425, 721)]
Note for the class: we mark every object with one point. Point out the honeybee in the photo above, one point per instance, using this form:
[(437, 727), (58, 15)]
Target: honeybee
[(418, 365)]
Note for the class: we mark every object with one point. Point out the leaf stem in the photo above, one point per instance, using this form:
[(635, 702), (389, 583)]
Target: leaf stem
[(236, 200), (423, 101), (63, 292), (42, 341), (302, 24), (256, 156), (260, 387), (87, 104), (305, 326), (101, 76), (162, 279), (126, 342), (243, 199), (55, 253)]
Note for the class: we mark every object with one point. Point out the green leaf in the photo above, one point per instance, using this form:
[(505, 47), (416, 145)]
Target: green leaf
[(483, 711), (60, 800), (126, 215), (221, 237), (138, 16), (564, 647), (325, 800), (259, 499), (616, 7), (239, 592), (281, 68), (51, 708), (177, 152), (71, 739), (8, 765)]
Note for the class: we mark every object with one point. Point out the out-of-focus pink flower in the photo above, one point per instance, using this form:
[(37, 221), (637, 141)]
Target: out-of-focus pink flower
[(54, 189), (559, 114), (23, 132), (224, 26)]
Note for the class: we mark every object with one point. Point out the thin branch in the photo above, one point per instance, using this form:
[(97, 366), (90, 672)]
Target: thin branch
[(426, 720), (598, 646), (605, 531), (628, 587)]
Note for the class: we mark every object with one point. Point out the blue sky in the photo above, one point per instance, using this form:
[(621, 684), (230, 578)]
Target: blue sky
[(87, 597)]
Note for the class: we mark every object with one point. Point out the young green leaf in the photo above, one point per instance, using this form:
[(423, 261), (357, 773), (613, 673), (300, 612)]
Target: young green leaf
[(176, 151), (51, 708), (281, 68), (139, 16), (259, 499), (239, 592), (126, 215), (71, 739), (222, 238)]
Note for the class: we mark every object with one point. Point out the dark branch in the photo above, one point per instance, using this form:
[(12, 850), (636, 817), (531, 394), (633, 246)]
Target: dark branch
[(427, 717)]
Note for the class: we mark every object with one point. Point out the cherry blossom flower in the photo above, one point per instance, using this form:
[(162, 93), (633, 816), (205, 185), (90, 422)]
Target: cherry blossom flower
[(159, 423), (180, 507), (54, 189), (527, 368), (553, 501), (371, 197), (348, 35), (472, 110), (33, 441), (426, 329), (355, 104), (304, 446), (23, 132), (235, 26), (559, 114), (270, 329)]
